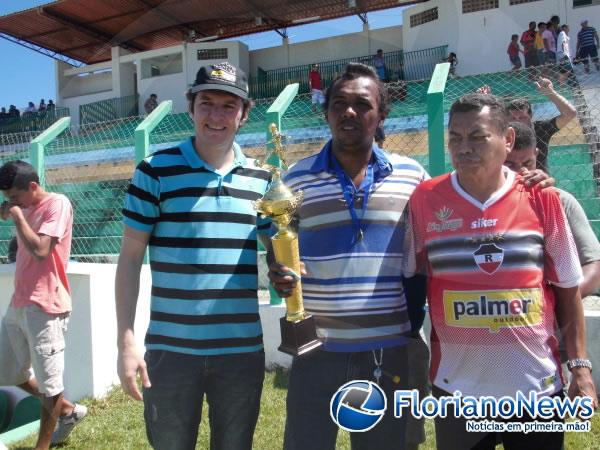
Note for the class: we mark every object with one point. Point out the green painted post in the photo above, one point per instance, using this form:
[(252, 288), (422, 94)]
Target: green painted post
[(38, 145), (274, 115), (435, 118), (143, 130)]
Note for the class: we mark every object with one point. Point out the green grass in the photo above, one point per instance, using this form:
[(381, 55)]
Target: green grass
[(116, 422)]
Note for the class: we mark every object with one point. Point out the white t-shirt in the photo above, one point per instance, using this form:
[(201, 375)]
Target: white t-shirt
[(562, 46)]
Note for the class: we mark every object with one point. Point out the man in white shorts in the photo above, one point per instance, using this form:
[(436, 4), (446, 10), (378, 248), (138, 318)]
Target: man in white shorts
[(32, 331)]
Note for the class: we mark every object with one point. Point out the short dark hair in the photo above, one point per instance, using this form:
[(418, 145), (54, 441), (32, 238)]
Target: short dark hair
[(514, 36), (476, 102), (152, 95), (17, 174), (520, 104), (532, 23), (357, 70), (541, 24), (524, 136)]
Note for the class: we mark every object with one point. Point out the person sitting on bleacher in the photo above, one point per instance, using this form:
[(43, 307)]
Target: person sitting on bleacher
[(520, 110), (524, 155), (30, 109), (13, 112)]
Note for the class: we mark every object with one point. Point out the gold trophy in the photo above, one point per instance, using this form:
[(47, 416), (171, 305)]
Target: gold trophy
[(298, 331)]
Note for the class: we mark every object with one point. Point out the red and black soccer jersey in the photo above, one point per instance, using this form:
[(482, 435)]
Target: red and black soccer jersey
[(490, 267)]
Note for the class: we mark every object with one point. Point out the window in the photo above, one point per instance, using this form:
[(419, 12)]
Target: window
[(162, 65), (212, 53), (518, 2), (580, 3), (429, 15), (469, 6)]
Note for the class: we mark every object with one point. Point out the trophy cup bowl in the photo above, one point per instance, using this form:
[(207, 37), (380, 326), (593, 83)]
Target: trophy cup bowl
[(298, 330)]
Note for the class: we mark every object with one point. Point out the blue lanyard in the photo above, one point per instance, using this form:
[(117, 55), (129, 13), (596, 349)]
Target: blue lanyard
[(350, 193)]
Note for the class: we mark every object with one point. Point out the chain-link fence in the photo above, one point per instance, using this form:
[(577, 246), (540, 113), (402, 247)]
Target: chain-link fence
[(92, 163), (13, 146), (572, 155), (32, 121)]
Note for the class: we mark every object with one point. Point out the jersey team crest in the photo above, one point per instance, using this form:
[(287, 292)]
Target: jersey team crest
[(489, 257)]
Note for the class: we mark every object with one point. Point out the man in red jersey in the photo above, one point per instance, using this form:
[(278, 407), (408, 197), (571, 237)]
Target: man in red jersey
[(502, 268), (316, 87)]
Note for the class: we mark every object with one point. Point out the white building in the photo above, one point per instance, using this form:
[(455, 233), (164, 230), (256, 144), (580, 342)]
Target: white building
[(168, 72), (479, 31)]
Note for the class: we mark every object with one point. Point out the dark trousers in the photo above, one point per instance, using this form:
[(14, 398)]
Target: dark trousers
[(315, 378), (451, 433), (173, 405)]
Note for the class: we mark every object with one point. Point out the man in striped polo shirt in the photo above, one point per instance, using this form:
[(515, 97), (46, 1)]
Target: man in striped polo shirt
[(351, 232), (192, 206), (587, 46)]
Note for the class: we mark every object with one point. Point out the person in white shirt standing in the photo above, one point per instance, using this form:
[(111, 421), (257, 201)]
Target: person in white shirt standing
[(563, 49)]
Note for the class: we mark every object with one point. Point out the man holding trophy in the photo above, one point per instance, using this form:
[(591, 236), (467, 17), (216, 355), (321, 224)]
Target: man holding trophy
[(351, 227)]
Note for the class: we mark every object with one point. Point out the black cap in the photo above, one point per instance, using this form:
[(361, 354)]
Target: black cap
[(221, 77)]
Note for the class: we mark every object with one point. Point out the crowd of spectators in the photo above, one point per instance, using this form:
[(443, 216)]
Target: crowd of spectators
[(550, 43), (15, 115)]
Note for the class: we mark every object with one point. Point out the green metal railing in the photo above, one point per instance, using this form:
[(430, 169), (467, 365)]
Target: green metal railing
[(400, 65), (110, 109), (36, 121)]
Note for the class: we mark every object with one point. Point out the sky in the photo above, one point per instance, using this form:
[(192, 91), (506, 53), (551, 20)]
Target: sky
[(30, 75)]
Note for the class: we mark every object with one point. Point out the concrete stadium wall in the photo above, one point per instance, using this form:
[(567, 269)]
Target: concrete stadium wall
[(90, 359), (480, 38), (338, 47), (91, 355), (166, 87), (91, 351)]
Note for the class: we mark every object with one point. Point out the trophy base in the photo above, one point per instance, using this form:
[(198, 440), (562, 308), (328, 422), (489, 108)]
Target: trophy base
[(298, 338)]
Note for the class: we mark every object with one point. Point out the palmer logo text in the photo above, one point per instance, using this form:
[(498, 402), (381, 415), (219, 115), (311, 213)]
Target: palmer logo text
[(493, 309)]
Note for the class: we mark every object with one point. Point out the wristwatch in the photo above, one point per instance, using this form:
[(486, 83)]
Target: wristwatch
[(579, 362)]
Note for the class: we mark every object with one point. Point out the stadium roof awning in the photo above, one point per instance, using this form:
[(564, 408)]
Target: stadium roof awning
[(85, 30)]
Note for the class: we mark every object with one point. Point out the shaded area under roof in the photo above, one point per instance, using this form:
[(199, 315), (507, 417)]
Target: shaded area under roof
[(85, 30)]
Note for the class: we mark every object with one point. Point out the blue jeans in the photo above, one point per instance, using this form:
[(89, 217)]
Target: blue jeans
[(315, 377), (173, 405)]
